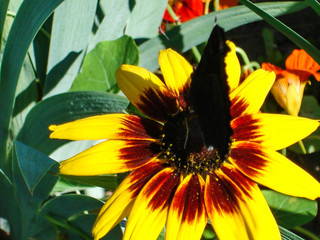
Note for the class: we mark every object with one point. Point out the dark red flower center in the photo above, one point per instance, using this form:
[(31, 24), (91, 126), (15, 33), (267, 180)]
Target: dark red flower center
[(184, 147)]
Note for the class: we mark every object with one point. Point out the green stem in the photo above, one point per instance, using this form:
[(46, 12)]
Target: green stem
[(196, 54), (245, 58), (303, 149), (173, 14), (206, 7), (216, 5), (307, 233), (66, 225)]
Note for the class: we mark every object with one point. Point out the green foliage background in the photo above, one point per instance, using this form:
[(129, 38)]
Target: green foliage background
[(58, 60)]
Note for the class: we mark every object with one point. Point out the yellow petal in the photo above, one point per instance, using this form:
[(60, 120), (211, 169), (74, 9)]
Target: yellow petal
[(176, 71), (108, 126), (149, 212), (273, 170), (112, 156), (146, 92), (250, 95), (187, 217), (120, 203), (233, 68), (276, 131), (236, 207)]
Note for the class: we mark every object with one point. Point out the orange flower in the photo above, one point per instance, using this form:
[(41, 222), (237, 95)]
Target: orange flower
[(290, 83), (185, 10)]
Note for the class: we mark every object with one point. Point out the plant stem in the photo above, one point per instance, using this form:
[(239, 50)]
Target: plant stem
[(307, 233), (66, 225), (303, 149)]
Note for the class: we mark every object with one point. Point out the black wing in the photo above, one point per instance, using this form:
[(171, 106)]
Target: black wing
[(209, 93)]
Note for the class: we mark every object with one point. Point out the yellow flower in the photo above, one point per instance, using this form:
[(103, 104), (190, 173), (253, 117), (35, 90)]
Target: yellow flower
[(176, 180), (290, 83)]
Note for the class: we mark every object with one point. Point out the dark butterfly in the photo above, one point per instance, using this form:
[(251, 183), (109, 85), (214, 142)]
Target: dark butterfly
[(209, 94)]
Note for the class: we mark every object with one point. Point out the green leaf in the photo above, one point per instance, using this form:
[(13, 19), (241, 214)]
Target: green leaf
[(85, 222), (14, 54), (72, 25), (3, 13), (64, 108), (34, 165), (63, 209), (145, 18), (100, 65), (285, 30), (9, 207), (287, 235), (28, 205), (315, 5), (197, 31), (115, 14), (109, 182), (290, 211)]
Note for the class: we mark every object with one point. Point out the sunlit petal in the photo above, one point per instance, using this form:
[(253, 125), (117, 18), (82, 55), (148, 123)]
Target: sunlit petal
[(250, 95), (146, 92), (150, 209), (108, 126), (176, 71), (233, 68), (187, 217), (236, 207), (276, 131), (112, 156), (273, 170), (120, 203)]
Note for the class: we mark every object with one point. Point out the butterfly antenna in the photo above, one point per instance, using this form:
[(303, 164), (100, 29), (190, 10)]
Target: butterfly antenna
[(163, 33)]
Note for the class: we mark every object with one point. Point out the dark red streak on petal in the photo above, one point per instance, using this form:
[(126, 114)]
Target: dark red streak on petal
[(140, 128), (238, 107), (249, 157), (241, 181), (158, 105), (245, 128), (137, 153), (142, 175), (189, 200), (220, 195), (162, 186)]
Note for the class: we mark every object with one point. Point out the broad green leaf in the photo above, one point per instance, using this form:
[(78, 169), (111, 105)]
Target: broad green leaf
[(71, 28), (115, 14), (290, 211), (145, 18), (29, 204), (64, 108), (197, 31), (285, 30), (14, 54), (63, 209), (100, 65), (34, 165)]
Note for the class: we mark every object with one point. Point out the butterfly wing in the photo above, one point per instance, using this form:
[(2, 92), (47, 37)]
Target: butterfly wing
[(209, 94)]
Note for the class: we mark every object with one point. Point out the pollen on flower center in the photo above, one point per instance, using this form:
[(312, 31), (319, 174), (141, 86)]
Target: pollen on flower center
[(184, 147)]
